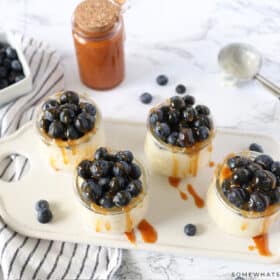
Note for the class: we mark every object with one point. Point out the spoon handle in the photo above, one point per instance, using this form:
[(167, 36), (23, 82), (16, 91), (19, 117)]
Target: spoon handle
[(274, 88)]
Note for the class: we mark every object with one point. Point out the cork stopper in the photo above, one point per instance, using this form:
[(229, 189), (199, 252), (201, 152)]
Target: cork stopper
[(96, 15)]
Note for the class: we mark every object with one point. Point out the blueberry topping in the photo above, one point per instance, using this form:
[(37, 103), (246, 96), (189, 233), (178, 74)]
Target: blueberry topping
[(41, 205), (162, 80), (189, 114), (173, 138), (264, 180), (258, 202), (15, 65), (52, 103), (202, 133), (72, 133), (110, 179), (51, 114), (88, 108), (66, 116), (45, 124), (180, 89), (177, 103), (256, 148), (3, 72), (69, 97), (19, 78), (189, 100), (202, 110), (174, 117), (186, 137), (122, 198), (84, 122), (264, 160), (162, 130), (275, 168), (146, 98), (236, 162), (44, 216), (237, 196), (241, 176), (56, 130), (11, 53), (190, 230), (3, 84)]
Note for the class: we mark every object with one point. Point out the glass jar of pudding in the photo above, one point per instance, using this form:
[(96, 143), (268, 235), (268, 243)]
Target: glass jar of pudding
[(176, 161), (115, 219), (65, 154), (233, 218), (98, 33)]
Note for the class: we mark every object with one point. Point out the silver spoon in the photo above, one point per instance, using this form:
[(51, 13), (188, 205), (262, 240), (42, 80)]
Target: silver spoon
[(243, 62)]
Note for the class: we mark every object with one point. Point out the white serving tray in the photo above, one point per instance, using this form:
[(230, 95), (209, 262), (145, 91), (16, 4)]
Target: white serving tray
[(168, 213)]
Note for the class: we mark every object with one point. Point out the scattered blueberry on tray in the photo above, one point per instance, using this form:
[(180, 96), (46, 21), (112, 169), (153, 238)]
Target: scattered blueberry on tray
[(146, 98), (256, 148), (253, 184), (181, 123), (44, 214), (162, 80), (67, 118), (110, 180), (180, 89), (190, 229), (10, 67)]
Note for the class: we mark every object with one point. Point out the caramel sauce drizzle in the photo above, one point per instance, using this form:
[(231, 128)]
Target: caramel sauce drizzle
[(211, 163), (193, 165), (64, 155), (148, 232), (74, 150), (183, 195), (53, 165), (199, 202), (251, 248), (107, 226), (226, 173), (130, 235), (98, 225), (261, 242), (174, 182), (243, 227), (129, 222)]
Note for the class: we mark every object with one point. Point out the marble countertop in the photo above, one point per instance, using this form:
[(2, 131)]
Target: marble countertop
[(180, 39)]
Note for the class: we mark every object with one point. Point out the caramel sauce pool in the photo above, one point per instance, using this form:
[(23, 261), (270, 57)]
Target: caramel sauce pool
[(174, 182), (199, 202), (261, 242), (148, 232), (183, 195)]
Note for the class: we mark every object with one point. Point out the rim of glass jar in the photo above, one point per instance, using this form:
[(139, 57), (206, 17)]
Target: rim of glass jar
[(176, 149), (115, 210), (68, 143), (272, 209), (97, 36)]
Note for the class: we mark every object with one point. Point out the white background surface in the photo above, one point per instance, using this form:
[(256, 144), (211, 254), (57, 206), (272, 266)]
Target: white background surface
[(180, 39)]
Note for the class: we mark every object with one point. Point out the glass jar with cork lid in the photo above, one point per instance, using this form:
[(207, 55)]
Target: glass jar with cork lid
[(98, 33)]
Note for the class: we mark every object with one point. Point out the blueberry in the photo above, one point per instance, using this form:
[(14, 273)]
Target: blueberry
[(275, 168), (180, 89), (190, 230), (241, 176), (69, 97), (202, 133), (226, 186), (174, 117), (12, 77), (99, 168), (236, 162), (177, 103), (123, 181), (172, 138), (3, 72), (45, 124), (19, 78), (124, 156), (66, 116), (72, 133), (186, 137), (3, 83), (203, 120), (134, 187), (189, 114), (16, 65), (71, 106), (146, 98), (101, 153), (256, 148), (41, 205), (51, 114), (189, 100), (7, 63), (258, 202), (106, 201), (83, 169), (56, 130), (51, 103), (88, 108), (104, 182), (84, 122), (162, 130), (114, 185), (86, 193), (265, 161), (238, 196), (135, 172), (275, 195), (122, 198), (11, 53), (96, 189), (202, 110), (118, 169), (162, 80), (264, 180), (163, 112), (154, 118), (44, 216)]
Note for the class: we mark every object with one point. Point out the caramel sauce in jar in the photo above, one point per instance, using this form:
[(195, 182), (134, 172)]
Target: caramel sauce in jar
[(98, 34)]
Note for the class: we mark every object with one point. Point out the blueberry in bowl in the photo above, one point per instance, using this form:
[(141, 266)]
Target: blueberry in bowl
[(243, 197), (70, 127), (112, 188), (179, 137)]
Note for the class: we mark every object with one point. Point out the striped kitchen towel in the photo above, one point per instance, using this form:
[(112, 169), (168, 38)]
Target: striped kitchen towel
[(22, 257)]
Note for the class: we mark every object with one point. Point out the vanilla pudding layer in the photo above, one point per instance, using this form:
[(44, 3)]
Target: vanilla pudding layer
[(114, 220), (176, 164), (244, 223), (66, 156)]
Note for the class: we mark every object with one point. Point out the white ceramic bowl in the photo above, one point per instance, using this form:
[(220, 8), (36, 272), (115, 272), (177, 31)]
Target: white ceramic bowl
[(23, 86)]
